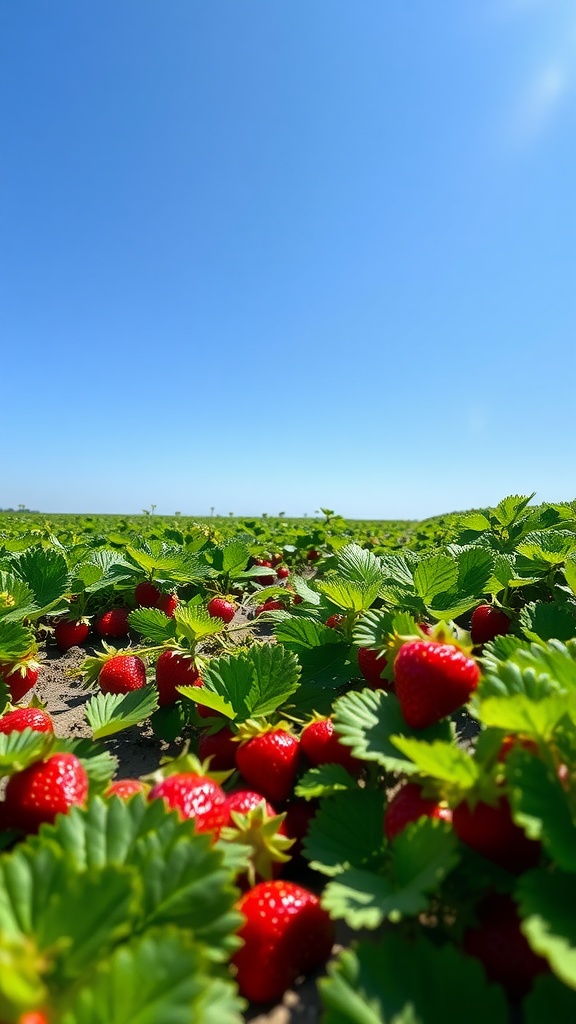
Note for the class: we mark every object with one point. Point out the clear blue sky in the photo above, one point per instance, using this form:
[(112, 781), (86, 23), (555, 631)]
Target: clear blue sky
[(267, 255)]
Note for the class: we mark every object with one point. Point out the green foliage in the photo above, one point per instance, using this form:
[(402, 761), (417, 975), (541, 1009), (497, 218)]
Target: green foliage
[(370, 723), (546, 903), (420, 858), (158, 921), (146, 883), (110, 713), (396, 981), (248, 683), (20, 749)]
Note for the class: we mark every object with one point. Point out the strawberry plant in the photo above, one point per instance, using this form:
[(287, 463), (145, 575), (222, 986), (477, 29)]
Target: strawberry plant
[(431, 740)]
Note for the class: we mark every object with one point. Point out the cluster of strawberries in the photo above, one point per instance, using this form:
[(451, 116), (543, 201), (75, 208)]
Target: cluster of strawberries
[(286, 932)]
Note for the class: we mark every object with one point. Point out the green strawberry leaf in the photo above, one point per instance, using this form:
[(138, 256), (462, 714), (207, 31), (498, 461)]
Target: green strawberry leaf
[(106, 831), (548, 991), (550, 547), (209, 698), (370, 723), (16, 641), (434, 575), (254, 682), (189, 883), (509, 511), (20, 749), (325, 660), (194, 622), (167, 563), (349, 595), (375, 627), (303, 634), (402, 981), (536, 671), (101, 570), (160, 976), (45, 572), (421, 856), (476, 565), (399, 573), (16, 598), (477, 522), (502, 574), (324, 781), (347, 831), (358, 565), (306, 592), (168, 722), (109, 900), (184, 878), (276, 677), (541, 806), (27, 881), (440, 759), (520, 713), (153, 625), (542, 621), (546, 902), (234, 558), (110, 713), (570, 571)]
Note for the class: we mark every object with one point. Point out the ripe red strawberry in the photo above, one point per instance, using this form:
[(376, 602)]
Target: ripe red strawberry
[(282, 572), (220, 747), (112, 623), (172, 670), (269, 606), (408, 805), (242, 801), (488, 622), (322, 745), (26, 718), (33, 1017), (168, 604), (371, 664), (20, 677), (194, 796), (497, 941), (312, 555), (286, 933), (147, 594), (491, 831), (126, 788), (220, 608), (335, 621), (122, 673), (269, 762), (43, 790), (70, 633), (432, 680)]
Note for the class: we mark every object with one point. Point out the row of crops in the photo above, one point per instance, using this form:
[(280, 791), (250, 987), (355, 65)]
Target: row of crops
[(375, 726)]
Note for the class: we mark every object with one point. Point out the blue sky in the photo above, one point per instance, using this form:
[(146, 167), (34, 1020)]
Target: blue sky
[(264, 256)]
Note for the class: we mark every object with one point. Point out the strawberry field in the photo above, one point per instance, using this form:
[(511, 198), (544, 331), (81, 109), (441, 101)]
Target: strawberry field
[(316, 764)]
